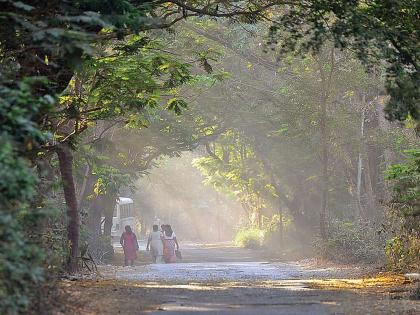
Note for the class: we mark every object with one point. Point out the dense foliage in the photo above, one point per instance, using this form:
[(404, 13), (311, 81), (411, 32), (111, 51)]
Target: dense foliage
[(378, 31), (20, 258), (403, 250)]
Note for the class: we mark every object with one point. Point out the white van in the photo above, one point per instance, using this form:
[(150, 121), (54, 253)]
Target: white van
[(123, 215)]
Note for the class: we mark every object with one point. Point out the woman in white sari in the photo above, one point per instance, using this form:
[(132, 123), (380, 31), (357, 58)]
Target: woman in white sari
[(155, 244)]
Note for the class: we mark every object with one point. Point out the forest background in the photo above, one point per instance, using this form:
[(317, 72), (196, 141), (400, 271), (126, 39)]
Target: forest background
[(303, 114)]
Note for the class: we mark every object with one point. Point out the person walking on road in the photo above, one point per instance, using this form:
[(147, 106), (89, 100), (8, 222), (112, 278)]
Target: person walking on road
[(169, 244), (155, 244), (130, 246)]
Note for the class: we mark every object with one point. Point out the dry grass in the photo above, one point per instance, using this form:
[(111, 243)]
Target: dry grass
[(384, 280)]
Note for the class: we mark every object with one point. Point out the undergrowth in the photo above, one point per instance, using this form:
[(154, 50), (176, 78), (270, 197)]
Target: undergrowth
[(352, 242)]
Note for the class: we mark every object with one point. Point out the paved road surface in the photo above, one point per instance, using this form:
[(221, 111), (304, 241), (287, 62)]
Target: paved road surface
[(225, 280)]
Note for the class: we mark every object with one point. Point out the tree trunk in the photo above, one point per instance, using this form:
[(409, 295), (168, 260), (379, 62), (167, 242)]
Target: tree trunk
[(371, 198), (281, 228), (325, 90), (82, 191), (294, 205), (360, 165), (94, 219), (384, 126), (65, 160), (324, 171), (108, 208), (247, 210), (260, 218)]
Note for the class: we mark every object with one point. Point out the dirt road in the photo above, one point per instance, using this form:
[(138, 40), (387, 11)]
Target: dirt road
[(225, 280)]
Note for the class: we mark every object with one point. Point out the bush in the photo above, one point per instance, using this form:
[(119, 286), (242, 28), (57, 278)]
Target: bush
[(352, 242), (20, 267), (100, 248), (403, 253), (403, 250), (94, 246), (249, 238), (20, 257)]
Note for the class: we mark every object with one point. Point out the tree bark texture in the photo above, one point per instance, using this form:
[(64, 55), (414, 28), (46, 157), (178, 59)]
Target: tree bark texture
[(108, 207), (65, 159)]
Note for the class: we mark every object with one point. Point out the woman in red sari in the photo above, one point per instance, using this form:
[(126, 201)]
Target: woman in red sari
[(169, 243), (129, 243)]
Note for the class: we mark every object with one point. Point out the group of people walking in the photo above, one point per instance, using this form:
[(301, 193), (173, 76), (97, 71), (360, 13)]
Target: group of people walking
[(161, 243)]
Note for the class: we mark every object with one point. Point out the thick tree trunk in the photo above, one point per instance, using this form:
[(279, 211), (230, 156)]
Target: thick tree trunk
[(109, 205), (65, 159), (107, 224)]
